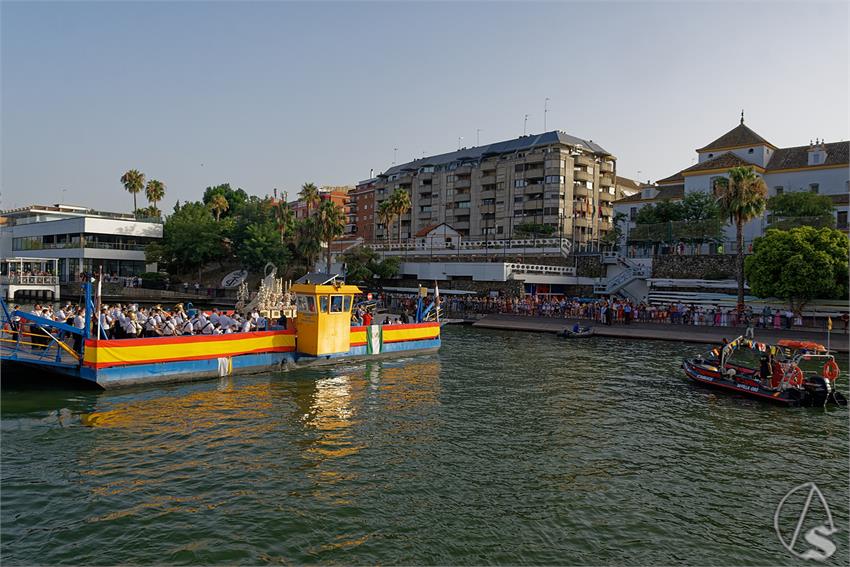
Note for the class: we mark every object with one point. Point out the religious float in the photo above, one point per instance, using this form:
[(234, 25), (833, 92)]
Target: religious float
[(790, 373), (312, 324)]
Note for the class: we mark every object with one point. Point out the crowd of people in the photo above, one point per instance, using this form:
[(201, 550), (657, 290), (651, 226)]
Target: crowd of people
[(625, 312), (131, 321)]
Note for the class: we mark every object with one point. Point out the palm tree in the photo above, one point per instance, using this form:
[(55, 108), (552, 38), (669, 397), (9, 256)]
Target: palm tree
[(309, 195), (331, 225), (307, 244), (133, 181), (284, 219), (742, 197), (385, 215), (218, 205), (400, 200), (155, 191)]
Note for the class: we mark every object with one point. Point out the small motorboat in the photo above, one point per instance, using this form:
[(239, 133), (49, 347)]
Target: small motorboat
[(576, 332), (786, 376)]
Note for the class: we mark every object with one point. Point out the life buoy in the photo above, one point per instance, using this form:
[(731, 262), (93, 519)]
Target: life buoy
[(831, 370), (796, 377)]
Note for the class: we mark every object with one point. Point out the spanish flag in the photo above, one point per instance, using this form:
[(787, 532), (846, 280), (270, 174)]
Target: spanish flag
[(829, 323)]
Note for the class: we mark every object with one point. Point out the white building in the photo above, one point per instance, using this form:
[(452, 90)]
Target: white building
[(818, 167), (80, 239)]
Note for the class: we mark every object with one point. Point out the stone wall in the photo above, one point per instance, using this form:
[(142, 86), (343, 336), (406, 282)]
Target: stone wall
[(708, 267), (589, 266)]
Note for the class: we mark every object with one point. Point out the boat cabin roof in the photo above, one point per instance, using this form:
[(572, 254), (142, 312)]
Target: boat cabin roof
[(314, 289)]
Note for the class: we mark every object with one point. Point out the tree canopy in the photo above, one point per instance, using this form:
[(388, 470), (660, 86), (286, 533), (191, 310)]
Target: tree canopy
[(235, 197), (800, 204), (190, 239), (362, 264), (799, 265)]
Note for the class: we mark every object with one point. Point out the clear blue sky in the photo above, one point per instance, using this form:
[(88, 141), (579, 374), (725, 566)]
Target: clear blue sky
[(266, 95)]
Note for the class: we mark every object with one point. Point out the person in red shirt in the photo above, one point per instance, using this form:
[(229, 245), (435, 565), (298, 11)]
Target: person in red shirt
[(367, 319)]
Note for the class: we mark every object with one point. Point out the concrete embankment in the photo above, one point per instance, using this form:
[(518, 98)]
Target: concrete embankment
[(664, 332)]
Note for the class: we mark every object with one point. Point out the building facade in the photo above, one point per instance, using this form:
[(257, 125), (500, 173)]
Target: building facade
[(361, 211), (496, 191), (81, 239), (337, 195), (819, 167)]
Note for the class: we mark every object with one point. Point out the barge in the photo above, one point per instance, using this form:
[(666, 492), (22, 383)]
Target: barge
[(317, 330)]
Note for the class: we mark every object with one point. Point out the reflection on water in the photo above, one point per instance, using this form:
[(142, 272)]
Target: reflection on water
[(504, 448)]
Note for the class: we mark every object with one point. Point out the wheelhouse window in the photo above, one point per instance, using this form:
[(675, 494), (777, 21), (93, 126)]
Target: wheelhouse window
[(336, 304)]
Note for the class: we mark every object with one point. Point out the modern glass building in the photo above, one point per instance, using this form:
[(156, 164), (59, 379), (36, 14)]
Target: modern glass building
[(81, 239)]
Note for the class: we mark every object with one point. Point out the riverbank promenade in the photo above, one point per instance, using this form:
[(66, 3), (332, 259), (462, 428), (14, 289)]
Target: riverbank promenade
[(655, 331)]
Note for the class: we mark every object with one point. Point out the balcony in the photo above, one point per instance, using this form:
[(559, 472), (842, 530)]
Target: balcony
[(583, 221), (584, 160), (582, 175), (533, 204), (556, 170), (487, 195), (582, 190), (534, 172), (462, 182), (605, 167), (607, 180), (487, 179)]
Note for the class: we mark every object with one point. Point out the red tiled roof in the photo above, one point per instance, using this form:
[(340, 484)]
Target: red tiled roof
[(837, 153), (740, 135), (726, 160)]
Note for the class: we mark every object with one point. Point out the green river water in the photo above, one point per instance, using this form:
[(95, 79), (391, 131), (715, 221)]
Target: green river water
[(505, 447)]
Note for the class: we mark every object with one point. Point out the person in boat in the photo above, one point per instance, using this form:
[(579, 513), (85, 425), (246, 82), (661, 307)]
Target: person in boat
[(132, 329), (576, 328), (79, 323), (367, 319)]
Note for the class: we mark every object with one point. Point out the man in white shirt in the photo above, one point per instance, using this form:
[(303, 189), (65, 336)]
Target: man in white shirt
[(79, 323)]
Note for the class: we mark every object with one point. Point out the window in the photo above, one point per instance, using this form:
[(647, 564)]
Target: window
[(520, 183), (779, 189), (347, 304), (814, 187), (841, 221), (500, 185), (336, 304), (450, 178), (815, 158), (323, 304), (751, 150), (632, 213), (306, 303), (710, 156), (518, 199)]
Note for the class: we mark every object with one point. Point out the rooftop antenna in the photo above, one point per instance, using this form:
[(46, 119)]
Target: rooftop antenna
[(459, 139), (395, 155), (545, 111), (742, 116), (525, 125), (371, 172), (478, 136)]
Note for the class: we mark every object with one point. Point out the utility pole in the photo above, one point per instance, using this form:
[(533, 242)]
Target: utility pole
[(545, 111)]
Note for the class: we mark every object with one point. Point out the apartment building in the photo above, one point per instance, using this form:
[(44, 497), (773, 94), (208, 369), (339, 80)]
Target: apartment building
[(336, 194), (553, 179), (361, 211)]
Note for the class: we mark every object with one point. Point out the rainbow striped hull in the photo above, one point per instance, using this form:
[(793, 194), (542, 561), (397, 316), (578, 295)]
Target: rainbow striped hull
[(129, 362)]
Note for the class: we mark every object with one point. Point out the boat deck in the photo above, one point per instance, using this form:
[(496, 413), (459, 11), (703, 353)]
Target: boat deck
[(28, 354)]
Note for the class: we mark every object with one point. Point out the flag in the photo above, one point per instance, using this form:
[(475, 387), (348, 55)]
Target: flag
[(829, 323), (437, 300)]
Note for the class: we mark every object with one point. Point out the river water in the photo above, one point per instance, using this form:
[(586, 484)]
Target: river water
[(503, 448)]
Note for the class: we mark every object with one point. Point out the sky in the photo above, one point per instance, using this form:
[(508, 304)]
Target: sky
[(274, 94)]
